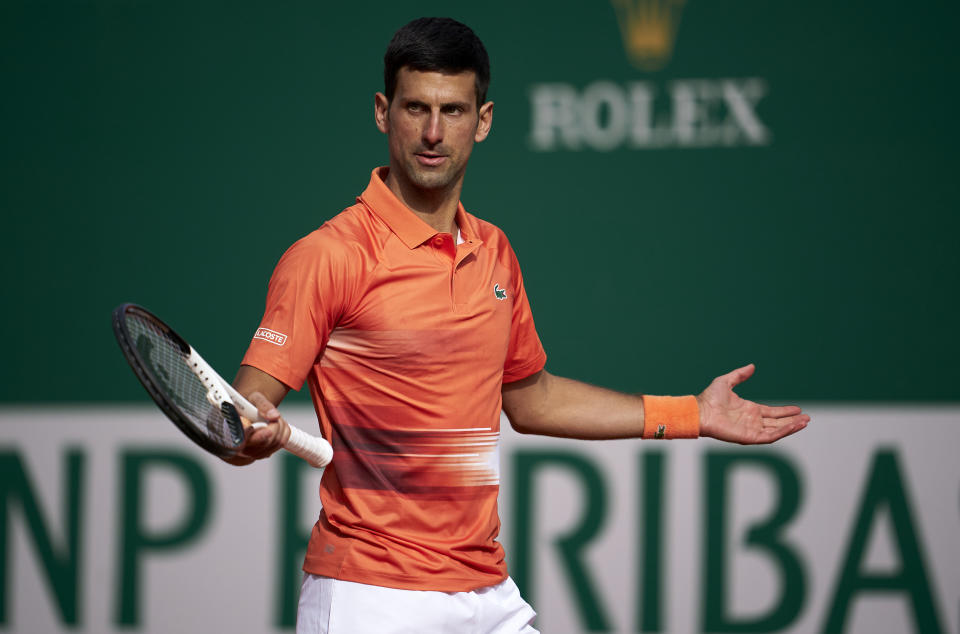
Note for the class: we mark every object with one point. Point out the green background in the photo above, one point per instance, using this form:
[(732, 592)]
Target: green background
[(167, 153)]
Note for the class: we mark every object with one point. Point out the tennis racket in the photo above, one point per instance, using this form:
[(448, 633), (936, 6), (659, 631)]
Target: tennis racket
[(192, 395)]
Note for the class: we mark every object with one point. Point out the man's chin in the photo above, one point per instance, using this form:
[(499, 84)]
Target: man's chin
[(431, 180)]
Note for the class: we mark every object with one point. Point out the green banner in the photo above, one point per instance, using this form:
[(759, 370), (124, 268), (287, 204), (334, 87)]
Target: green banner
[(689, 185)]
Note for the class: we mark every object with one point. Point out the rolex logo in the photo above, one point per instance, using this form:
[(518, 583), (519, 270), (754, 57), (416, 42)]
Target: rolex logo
[(649, 28), (648, 113)]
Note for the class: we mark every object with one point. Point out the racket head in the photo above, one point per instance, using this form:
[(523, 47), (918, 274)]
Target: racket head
[(158, 357)]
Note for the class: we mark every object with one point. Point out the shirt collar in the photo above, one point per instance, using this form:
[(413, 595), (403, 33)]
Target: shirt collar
[(407, 226)]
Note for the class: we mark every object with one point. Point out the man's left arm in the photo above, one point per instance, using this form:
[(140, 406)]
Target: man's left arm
[(550, 405)]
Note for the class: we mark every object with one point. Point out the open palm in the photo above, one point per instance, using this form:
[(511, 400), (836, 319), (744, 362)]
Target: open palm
[(725, 416)]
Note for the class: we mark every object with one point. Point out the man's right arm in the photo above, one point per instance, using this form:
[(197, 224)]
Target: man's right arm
[(265, 393)]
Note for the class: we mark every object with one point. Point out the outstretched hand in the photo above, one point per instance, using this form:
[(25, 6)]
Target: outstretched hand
[(725, 416)]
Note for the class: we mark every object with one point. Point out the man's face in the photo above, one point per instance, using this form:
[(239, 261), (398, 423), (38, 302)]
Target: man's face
[(432, 123)]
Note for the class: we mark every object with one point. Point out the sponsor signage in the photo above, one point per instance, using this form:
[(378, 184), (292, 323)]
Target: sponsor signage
[(606, 115), (111, 522), (649, 29)]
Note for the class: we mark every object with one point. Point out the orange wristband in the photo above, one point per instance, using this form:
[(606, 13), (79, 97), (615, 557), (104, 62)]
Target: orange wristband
[(671, 417)]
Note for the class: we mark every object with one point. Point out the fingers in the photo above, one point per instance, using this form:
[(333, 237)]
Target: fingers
[(264, 440), (779, 412), (267, 410), (778, 428)]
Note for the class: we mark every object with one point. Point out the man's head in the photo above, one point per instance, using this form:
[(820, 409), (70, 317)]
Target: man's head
[(433, 109), (436, 44)]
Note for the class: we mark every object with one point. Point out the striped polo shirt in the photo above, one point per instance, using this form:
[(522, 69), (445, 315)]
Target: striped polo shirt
[(405, 338)]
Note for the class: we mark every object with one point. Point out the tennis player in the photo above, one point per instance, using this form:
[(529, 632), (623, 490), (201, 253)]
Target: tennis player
[(408, 318)]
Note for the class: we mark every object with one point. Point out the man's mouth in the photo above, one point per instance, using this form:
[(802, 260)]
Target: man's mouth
[(430, 159)]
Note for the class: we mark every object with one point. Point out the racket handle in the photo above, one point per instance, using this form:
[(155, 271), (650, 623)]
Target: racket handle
[(315, 450)]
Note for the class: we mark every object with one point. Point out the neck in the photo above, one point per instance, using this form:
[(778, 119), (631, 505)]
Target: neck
[(436, 207)]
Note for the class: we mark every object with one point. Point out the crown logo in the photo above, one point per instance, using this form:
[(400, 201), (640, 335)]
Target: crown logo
[(649, 28)]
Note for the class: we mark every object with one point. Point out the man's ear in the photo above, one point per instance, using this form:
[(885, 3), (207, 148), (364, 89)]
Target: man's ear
[(485, 122), (381, 112)]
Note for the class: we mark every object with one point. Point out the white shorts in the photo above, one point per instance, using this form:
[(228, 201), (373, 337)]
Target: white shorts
[(332, 606)]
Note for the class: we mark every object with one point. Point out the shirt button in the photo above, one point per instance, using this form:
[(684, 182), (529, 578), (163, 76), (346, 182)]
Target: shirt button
[(438, 241)]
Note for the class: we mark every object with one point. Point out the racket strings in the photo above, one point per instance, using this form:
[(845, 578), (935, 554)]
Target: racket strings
[(168, 364)]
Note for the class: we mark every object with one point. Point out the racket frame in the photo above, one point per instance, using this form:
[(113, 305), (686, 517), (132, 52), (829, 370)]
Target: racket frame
[(150, 382), (315, 450)]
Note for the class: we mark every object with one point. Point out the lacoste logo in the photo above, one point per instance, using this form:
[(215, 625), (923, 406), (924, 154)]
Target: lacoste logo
[(499, 292), (661, 431), (272, 336)]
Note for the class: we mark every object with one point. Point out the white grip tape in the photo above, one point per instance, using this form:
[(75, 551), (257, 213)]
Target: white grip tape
[(316, 451)]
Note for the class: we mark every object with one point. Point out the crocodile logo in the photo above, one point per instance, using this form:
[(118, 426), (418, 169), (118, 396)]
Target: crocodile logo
[(661, 431), (498, 292)]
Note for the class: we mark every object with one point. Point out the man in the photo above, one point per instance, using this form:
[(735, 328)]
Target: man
[(409, 319)]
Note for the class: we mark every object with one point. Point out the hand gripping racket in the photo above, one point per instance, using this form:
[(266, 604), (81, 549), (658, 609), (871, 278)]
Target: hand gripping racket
[(192, 395)]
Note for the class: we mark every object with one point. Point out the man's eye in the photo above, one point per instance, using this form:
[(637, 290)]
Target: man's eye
[(415, 107)]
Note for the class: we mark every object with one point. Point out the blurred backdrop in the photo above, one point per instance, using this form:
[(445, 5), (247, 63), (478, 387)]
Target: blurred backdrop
[(689, 186)]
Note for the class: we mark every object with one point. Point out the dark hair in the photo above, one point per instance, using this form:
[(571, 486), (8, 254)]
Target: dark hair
[(436, 44)]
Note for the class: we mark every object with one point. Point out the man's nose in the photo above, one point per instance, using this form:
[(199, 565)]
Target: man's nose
[(433, 132)]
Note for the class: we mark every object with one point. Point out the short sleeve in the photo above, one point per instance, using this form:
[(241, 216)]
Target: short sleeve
[(305, 300), (525, 353)]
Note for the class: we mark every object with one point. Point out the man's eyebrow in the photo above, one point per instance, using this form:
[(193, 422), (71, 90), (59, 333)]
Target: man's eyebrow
[(465, 104)]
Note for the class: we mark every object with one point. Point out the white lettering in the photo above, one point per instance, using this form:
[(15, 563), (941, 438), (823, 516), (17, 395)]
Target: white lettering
[(271, 335), (741, 100), (691, 104), (645, 131), (603, 100), (606, 116), (554, 113)]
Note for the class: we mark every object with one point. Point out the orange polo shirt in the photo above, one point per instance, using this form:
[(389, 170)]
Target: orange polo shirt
[(405, 339)]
